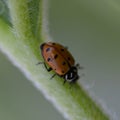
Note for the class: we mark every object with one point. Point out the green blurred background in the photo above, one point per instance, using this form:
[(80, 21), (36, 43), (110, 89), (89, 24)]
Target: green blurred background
[(90, 29)]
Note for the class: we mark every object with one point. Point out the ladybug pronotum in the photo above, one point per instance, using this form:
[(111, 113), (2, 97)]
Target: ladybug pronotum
[(60, 60)]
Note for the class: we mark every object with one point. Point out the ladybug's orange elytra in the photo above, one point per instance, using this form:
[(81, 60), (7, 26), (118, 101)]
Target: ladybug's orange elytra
[(60, 60)]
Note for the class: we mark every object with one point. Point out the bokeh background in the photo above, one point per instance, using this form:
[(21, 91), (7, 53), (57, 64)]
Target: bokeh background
[(91, 30)]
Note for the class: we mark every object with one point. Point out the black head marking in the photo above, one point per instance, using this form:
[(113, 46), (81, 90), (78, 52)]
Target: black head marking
[(55, 56), (62, 50), (72, 75), (63, 63)]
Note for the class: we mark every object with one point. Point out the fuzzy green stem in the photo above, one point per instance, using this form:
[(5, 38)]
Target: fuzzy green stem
[(23, 50)]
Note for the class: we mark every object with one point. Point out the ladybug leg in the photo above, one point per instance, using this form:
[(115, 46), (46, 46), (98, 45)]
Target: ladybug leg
[(53, 76), (39, 63), (48, 69), (64, 82)]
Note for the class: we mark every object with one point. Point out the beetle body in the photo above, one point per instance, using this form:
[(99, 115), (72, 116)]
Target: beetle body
[(60, 60)]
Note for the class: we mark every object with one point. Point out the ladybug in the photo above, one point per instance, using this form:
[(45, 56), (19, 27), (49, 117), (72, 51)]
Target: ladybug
[(60, 60)]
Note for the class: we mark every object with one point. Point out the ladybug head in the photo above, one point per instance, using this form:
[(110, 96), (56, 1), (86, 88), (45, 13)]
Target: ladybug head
[(72, 75)]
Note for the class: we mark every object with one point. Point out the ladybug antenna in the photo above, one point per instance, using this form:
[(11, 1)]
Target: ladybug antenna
[(78, 66)]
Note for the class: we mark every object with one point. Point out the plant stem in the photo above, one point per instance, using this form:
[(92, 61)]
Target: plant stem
[(23, 50)]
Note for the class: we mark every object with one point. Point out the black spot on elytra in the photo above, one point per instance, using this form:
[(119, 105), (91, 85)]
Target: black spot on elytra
[(55, 56), (69, 58), (62, 49), (48, 59), (63, 63), (48, 49), (53, 43), (62, 71)]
